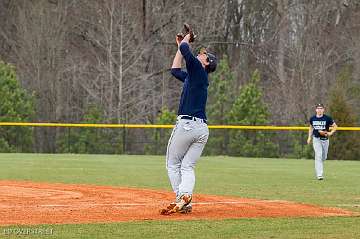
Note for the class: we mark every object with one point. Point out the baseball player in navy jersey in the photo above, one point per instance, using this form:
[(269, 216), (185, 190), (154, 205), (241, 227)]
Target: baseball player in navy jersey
[(190, 133), (319, 133)]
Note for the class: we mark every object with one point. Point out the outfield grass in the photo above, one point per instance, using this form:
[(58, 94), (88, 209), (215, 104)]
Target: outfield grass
[(285, 179)]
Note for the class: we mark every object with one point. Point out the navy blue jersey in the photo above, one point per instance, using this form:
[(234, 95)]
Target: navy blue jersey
[(321, 123), (194, 93)]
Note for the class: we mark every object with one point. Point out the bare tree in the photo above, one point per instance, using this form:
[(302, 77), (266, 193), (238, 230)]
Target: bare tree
[(36, 35), (117, 53)]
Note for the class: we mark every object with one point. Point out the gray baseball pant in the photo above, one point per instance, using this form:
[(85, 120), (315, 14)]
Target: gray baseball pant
[(185, 146), (321, 148)]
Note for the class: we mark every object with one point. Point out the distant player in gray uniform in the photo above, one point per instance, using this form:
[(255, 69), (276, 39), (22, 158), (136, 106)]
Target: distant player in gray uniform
[(190, 133), (319, 132)]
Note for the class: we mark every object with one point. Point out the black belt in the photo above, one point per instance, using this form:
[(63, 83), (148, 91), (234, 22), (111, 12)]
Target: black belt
[(321, 138), (188, 117)]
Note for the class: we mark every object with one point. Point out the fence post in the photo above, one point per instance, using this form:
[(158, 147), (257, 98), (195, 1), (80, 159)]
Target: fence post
[(68, 139), (124, 139)]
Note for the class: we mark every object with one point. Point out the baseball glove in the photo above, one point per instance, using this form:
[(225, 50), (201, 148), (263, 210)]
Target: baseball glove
[(186, 30), (323, 133)]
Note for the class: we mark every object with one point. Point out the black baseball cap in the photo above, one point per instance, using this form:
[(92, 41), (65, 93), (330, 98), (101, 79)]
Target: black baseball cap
[(319, 105), (212, 62), (211, 58)]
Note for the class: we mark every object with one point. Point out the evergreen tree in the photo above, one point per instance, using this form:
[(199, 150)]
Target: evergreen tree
[(16, 105), (344, 145), (249, 109), (297, 146), (160, 137), (90, 140), (220, 98)]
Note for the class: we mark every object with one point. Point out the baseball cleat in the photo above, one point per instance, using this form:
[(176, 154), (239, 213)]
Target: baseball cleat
[(183, 201), (186, 209), (168, 209)]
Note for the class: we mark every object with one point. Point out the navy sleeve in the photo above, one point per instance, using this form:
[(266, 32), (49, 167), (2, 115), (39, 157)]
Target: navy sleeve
[(179, 74), (187, 54), (331, 121)]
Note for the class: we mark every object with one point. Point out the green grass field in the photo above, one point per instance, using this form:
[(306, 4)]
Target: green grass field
[(285, 179)]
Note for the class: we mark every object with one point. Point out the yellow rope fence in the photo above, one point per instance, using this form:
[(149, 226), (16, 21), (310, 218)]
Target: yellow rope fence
[(244, 127)]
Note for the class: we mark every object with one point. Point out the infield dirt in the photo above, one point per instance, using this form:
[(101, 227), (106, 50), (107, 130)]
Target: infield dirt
[(30, 203)]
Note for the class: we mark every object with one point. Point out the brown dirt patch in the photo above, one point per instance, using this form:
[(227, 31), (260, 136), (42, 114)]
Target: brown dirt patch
[(44, 203)]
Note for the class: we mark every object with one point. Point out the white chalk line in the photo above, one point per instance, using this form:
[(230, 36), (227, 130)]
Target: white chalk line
[(162, 203), (117, 204), (348, 205), (143, 204)]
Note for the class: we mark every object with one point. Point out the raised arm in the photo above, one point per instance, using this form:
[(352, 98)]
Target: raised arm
[(176, 65), (178, 57), (185, 51), (177, 60)]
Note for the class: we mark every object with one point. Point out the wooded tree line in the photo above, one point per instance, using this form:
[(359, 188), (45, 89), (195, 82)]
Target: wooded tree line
[(116, 54)]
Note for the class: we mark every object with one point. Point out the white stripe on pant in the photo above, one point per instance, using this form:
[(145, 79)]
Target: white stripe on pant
[(185, 146), (321, 148)]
